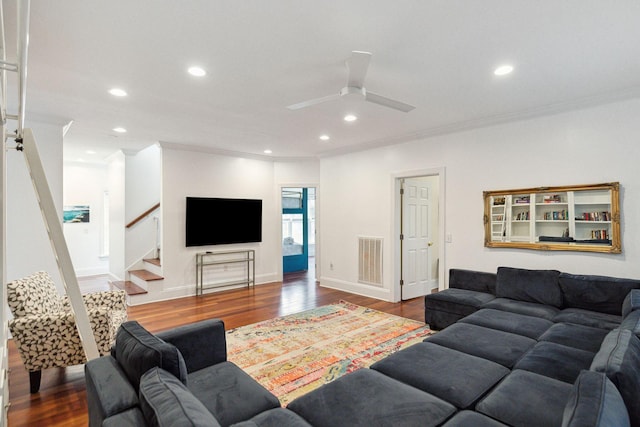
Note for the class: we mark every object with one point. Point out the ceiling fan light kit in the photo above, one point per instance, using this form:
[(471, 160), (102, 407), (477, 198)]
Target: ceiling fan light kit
[(357, 66)]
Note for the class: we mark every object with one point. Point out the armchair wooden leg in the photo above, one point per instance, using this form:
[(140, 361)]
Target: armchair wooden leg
[(34, 381)]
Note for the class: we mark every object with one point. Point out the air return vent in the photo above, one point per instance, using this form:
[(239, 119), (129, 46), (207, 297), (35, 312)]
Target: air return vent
[(370, 260)]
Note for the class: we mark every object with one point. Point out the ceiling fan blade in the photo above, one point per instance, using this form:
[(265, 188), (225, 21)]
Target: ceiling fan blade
[(311, 102), (358, 65), (387, 102)]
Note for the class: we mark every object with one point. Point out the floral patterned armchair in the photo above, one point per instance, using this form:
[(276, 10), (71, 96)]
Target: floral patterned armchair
[(44, 328)]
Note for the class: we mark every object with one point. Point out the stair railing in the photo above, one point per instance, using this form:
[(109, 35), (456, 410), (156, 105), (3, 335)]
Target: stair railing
[(143, 215)]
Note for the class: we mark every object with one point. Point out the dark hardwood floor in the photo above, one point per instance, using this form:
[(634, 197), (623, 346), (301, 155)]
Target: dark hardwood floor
[(62, 399)]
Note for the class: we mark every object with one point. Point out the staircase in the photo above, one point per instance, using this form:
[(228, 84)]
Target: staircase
[(141, 278)]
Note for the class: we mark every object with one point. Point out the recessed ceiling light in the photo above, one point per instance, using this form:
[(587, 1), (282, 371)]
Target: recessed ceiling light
[(503, 70), (90, 152), (117, 92), (196, 71), (268, 151), (324, 137), (119, 130), (350, 118)]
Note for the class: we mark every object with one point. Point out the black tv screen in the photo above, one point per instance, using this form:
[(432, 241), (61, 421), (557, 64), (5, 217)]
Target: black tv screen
[(216, 221)]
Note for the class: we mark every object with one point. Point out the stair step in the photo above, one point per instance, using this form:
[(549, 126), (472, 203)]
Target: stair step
[(145, 275), (154, 261), (129, 287)]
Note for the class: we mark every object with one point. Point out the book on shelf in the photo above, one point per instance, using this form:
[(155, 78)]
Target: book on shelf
[(552, 198), (555, 215), (595, 216), (600, 234)]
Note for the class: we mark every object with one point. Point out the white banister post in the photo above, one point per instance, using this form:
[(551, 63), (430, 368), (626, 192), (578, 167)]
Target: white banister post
[(53, 224)]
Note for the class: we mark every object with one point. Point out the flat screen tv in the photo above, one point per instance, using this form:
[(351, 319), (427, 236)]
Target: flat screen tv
[(216, 221)]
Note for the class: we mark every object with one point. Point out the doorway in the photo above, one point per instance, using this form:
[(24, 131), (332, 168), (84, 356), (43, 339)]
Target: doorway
[(298, 228), (420, 248)]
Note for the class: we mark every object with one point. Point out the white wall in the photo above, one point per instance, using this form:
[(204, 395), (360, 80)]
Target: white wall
[(85, 183), (28, 247), (199, 174), (300, 173), (143, 180), (587, 146), (116, 188)]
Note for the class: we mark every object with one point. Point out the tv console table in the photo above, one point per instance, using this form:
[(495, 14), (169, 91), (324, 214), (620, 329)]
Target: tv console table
[(224, 259)]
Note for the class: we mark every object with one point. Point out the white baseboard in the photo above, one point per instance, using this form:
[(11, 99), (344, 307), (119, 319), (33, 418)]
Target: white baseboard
[(182, 291), (356, 288), (91, 271)]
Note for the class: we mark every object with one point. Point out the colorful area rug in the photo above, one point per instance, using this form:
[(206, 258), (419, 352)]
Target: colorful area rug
[(295, 354)]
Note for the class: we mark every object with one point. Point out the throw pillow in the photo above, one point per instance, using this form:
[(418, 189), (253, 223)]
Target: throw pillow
[(594, 401), (631, 302), (137, 350), (165, 401), (618, 359)]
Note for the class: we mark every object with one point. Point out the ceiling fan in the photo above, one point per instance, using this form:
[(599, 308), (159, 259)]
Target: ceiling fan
[(357, 66)]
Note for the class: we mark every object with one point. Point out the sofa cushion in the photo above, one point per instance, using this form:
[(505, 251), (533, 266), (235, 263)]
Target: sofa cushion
[(279, 417), (368, 398), (470, 418), (631, 302), (166, 401), (527, 399), (596, 293), (457, 301), (577, 336), (539, 286), (478, 281), (523, 307), (456, 377), (498, 346), (137, 351), (229, 393), (594, 319), (556, 361), (619, 359), (595, 401), (515, 323), (632, 322)]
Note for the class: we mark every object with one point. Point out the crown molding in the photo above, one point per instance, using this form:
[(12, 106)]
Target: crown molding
[(493, 120)]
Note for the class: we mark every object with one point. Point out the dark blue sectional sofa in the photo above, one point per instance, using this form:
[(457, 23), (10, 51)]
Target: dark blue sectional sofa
[(519, 348)]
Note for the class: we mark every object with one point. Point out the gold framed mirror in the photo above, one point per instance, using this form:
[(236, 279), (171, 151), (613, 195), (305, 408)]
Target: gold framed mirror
[(569, 218)]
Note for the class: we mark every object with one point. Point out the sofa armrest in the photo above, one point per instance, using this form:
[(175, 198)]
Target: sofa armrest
[(109, 392), (47, 340), (202, 343)]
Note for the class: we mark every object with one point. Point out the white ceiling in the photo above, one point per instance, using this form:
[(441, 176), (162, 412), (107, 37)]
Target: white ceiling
[(262, 56)]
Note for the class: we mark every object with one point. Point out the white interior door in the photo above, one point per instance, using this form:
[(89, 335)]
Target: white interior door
[(419, 236)]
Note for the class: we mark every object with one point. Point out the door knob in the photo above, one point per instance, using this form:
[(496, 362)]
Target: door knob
[(430, 244)]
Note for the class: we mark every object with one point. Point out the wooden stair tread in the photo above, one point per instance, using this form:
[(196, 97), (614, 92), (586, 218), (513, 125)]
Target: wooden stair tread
[(145, 275), (154, 261), (129, 287)]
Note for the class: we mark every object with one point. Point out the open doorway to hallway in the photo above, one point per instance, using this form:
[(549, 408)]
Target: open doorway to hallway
[(298, 230)]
